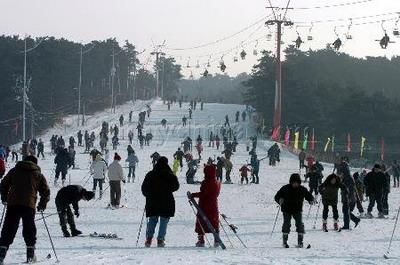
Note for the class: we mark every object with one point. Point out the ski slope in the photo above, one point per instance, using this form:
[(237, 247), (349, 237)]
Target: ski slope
[(251, 207)]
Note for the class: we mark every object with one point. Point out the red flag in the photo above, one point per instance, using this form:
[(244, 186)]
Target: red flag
[(348, 143), (275, 134), (287, 137), (382, 149), (313, 140)]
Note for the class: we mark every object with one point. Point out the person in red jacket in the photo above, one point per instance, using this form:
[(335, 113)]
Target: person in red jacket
[(208, 202), (244, 170)]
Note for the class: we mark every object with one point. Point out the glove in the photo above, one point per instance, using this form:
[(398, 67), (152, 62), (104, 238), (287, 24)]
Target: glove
[(76, 214), (41, 208), (281, 201), (123, 181)]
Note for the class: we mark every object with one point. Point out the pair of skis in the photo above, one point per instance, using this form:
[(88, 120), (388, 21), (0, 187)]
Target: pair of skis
[(217, 238)]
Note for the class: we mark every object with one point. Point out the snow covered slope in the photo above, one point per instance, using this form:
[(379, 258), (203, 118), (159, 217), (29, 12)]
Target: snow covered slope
[(251, 207)]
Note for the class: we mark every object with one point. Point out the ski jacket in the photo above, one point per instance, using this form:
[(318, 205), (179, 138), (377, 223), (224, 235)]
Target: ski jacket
[(115, 171), (158, 187), (330, 191), (62, 160), (179, 155), (70, 194), (132, 160), (244, 171), (208, 200), (98, 168), (21, 185), (375, 183), (314, 179), (293, 198)]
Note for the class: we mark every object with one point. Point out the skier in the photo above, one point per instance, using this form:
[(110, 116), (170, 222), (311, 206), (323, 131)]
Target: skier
[(158, 187), (130, 116), (226, 121), (115, 142), (179, 156), (290, 198), (302, 157), (80, 136), (396, 173), (187, 144), (164, 123), (244, 116), (63, 162), (121, 121), (72, 153), (228, 168), (208, 202), (220, 167), (175, 166), (199, 148), (19, 190), (190, 113), (40, 149), (98, 169), (329, 192), (70, 194), (314, 180), (375, 183), (359, 186), (217, 141), (115, 176), (130, 136), (191, 172), (72, 141), (255, 164), (386, 191), (244, 170), (133, 161), (154, 158), (148, 138), (184, 120)]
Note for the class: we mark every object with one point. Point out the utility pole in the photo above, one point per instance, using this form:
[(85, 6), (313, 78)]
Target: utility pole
[(79, 85), (113, 71), (279, 22), (157, 52), (24, 96)]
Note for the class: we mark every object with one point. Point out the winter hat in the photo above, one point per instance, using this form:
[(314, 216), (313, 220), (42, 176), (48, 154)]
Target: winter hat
[(210, 171), (295, 178), (32, 159), (377, 166), (88, 195), (162, 160), (117, 157)]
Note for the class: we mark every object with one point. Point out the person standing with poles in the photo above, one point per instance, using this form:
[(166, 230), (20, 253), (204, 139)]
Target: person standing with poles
[(19, 190), (98, 168), (115, 175), (158, 187), (290, 197), (132, 161)]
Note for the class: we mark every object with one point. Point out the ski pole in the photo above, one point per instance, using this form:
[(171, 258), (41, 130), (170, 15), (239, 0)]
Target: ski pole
[(48, 232), (316, 215), (140, 227), (201, 226), (309, 212), (226, 234), (276, 219), (2, 215), (386, 255), (234, 229)]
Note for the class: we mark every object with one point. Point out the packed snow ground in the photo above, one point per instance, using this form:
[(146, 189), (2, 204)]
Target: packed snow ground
[(251, 207)]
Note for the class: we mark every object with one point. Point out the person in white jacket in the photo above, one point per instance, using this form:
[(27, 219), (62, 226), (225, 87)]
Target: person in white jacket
[(115, 176), (98, 170)]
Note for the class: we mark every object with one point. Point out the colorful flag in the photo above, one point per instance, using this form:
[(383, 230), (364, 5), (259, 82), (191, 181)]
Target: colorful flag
[(275, 134), (382, 149), (296, 140), (313, 140), (333, 143), (348, 143), (305, 140), (327, 144), (287, 137), (363, 140)]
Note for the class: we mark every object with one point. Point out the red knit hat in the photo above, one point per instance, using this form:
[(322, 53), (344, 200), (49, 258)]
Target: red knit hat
[(117, 157), (210, 171)]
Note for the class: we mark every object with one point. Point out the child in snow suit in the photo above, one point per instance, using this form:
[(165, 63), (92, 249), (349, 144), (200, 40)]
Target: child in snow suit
[(314, 180), (329, 191), (208, 202), (244, 170), (290, 197)]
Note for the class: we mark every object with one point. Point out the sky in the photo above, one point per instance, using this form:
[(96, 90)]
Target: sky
[(182, 24)]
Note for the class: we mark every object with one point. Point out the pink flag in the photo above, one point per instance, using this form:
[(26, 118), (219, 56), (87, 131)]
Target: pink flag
[(287, 137)]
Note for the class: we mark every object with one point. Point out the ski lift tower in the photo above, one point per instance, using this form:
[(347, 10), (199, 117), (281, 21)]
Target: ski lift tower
[(279, 21)]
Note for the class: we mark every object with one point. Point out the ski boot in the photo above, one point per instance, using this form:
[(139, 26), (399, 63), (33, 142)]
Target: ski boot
[(65, 231), (160, 243), (216, 244), (285, 238), (369, 215), (75, 232), (381, 215), (300, 237), (3, 253), (200, 243), (30, 255), (129, 180), (324, 226), (335, 225), (147, 244)]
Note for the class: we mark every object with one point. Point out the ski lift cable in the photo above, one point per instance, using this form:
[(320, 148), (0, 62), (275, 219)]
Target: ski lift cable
[(221, 39), (334, 5)]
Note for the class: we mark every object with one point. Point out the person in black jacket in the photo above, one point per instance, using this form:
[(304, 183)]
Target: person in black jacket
[(314, 180), (179, 156), (158, 187), (63, 162), (290, 197), (220, 168), (375, 183), (71, 194), (329, 192)]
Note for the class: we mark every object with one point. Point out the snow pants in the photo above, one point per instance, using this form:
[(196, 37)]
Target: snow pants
[(347, 209), (65, 215), (325, 212), (375, 198), (298, 218), (115, 192), (61, 171), (131, 173), (11, 223), (385, 203)]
